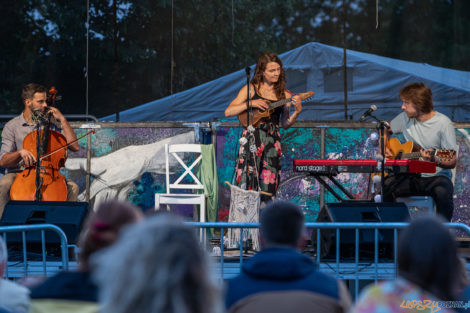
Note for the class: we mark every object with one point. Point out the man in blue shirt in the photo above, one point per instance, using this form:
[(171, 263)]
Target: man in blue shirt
[(281, 279)]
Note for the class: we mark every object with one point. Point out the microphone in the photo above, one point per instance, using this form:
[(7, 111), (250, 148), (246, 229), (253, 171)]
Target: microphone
[(368, 112), (47, 110), (38, 116), (38, 113)]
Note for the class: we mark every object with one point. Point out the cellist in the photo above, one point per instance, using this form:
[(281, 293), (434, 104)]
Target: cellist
[(34, 97)]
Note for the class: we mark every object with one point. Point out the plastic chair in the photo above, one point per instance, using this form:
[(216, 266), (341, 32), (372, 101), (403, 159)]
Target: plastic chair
[(182, 198)]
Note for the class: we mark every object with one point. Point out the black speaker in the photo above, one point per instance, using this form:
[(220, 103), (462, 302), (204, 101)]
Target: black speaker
[(68, 216), (359, 212)]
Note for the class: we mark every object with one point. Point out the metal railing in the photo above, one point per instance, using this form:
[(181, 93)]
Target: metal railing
[(25, 267), (81, 117), (372, 269)]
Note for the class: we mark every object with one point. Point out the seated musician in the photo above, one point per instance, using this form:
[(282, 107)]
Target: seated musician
[(267, 86), (14, 132), (431, 130)]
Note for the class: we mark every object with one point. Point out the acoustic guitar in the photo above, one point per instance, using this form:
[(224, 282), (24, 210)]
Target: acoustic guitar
[(258, 115), (410, 150)]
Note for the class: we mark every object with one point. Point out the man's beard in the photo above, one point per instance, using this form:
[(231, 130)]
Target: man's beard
[(412, 115)]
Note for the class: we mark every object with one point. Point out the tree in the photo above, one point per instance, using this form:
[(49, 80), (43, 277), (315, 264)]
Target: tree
[(130, 42)]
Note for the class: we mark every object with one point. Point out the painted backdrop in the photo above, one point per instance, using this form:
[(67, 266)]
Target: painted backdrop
[(128, 163), (340, 143)]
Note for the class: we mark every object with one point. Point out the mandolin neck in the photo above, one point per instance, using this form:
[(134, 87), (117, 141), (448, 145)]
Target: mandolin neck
[(278, 103)]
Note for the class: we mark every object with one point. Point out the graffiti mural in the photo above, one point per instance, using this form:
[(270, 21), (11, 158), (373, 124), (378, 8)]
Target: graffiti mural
[(128, 163), (124, 166), (340, 143)]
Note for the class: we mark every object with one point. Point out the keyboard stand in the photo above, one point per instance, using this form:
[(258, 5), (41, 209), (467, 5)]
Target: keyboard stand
[(320, 178)]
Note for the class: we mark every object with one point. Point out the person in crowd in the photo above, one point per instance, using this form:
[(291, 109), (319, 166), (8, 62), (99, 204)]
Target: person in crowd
[(431, 131), (12, 154), (157, 266), (13, 297), (75, 291), (428, 270), (261, 169), (280, 278)]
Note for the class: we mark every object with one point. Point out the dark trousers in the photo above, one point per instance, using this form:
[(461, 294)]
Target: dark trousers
[(440, 188)]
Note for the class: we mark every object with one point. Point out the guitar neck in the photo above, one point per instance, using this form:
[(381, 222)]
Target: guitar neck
[(417, 155), (411, 156)]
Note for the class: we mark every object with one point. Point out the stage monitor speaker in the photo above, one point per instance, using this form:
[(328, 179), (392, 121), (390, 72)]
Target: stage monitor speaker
[(359, 212), (68, 216)]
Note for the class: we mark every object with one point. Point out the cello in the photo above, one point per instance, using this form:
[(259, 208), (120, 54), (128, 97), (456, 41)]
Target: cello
[(43, 181)]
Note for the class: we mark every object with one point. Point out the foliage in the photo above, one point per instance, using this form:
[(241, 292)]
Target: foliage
[(130, 42)]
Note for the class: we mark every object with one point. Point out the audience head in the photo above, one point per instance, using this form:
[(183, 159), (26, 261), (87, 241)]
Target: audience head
[(102, 227), (282, 224), (427, 256), (156, 266)]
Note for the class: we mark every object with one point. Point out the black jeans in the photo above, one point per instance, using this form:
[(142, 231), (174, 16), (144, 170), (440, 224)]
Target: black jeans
[(440, 188)]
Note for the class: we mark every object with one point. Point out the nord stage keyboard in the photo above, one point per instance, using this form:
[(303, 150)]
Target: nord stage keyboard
[(333, 167)]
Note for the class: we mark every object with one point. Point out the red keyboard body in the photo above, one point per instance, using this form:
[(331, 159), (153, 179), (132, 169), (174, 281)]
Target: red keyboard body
[(333, 167)]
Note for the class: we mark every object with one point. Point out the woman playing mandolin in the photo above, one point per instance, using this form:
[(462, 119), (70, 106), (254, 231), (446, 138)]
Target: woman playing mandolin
[(260, 169), (12, 154)]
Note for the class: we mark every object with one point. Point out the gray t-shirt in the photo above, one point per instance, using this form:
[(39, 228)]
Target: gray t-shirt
[(436, 133), (13, 135)]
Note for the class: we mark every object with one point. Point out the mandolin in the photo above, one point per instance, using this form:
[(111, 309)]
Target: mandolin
[(258, 115), (410, 150)]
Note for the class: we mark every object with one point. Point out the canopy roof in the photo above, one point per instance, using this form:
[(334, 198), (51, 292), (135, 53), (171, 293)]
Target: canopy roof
[(371, 80)]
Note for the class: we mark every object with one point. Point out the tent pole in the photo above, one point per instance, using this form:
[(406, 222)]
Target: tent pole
[(345, 67)]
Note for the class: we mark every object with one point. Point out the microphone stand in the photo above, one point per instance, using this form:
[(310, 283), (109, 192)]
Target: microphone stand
[(248, 102), (249, 111), (38, 164), (382, 126)]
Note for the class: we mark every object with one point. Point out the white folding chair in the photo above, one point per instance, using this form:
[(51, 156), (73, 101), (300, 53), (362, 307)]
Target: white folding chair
[(181, 198)]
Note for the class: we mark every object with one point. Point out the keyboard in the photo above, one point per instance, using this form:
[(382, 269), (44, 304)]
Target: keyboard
[(333, 167)]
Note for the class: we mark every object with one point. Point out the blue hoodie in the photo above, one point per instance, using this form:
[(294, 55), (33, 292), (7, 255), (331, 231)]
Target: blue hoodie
[(280, 269)]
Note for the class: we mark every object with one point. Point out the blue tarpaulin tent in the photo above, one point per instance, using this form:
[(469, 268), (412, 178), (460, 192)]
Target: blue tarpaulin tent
[(371, 79)]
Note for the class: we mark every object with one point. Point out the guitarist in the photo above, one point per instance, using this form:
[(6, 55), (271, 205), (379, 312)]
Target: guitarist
[(431, 130), (261, 169)]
